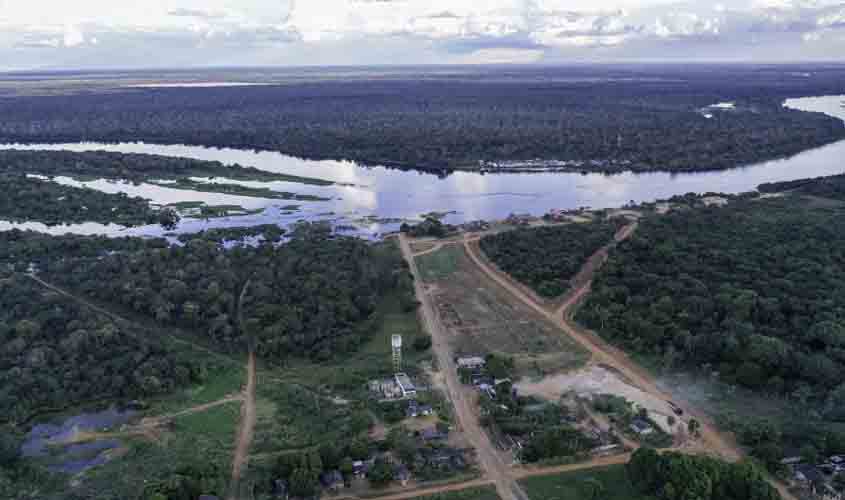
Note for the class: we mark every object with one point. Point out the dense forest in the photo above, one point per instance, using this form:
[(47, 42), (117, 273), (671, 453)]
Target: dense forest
[(610, 118), (130, 166), (546, 258), (314, 296), (754, 291), (28, 199), (826, 187), (672, 476), (56, 354)]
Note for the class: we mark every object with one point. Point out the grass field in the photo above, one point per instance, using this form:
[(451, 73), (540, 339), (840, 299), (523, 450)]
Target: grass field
[(574, 485), (440, 264), (479, 493)]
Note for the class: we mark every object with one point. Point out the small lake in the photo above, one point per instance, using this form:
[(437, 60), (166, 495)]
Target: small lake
[(395, 194)]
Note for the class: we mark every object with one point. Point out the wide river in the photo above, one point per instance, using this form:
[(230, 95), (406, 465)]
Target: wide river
[(389, 193)]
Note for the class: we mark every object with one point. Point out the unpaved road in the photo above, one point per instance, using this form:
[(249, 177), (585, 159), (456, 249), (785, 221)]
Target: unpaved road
[(246, 426), (489, 458), (436, 247), (601, 351)]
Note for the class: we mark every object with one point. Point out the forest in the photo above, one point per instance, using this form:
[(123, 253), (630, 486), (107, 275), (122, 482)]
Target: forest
[(546, 258), (29, 199), (832, 187), (753, 291), (315, 296), (611, 118), (55, 354), (130, 166), (674, 475)]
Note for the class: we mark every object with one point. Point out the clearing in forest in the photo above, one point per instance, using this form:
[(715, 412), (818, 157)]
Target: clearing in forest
[(484, 318)]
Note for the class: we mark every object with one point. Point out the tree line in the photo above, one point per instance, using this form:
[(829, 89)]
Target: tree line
[(546, 258), (315, 296), (677, 476), (827, 187), (135, 167), (28, 199), (612, 119)]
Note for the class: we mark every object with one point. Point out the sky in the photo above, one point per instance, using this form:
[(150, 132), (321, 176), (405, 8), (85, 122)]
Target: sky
[(69, 34)]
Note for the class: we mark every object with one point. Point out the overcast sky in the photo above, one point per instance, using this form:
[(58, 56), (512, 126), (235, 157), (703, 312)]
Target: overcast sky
[(163, 33)]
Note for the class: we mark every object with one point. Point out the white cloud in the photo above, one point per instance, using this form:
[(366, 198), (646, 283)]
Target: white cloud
[(367, 31)]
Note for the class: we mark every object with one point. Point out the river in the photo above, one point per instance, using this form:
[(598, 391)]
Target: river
[(384, 193)]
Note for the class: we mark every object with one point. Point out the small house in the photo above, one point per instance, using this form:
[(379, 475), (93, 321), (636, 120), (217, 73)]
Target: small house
[(425, 410), (432, 434), (401, 474), (405, 385), (360, 468), (641, 426), (471, 362)]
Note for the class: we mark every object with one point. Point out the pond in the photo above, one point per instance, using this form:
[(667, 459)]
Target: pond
[(384, 193)]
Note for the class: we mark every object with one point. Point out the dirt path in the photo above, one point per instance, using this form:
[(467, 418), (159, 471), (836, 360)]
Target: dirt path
[(561, 469), (246, 426), (422, 492), (436, 247), (489, 458), (602, 352)]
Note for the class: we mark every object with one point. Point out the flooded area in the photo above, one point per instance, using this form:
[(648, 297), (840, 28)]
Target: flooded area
[(60, 445), (389, 194)]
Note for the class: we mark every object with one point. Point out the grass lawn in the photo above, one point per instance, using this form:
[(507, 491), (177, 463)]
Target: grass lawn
[(440, 264), (479, 493), (573, 485)]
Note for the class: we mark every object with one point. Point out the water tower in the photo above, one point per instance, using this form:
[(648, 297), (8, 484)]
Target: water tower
[(396, 343)]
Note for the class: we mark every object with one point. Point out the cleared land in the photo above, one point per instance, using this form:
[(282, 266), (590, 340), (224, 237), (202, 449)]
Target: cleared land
[(577, 485), (483, 318)]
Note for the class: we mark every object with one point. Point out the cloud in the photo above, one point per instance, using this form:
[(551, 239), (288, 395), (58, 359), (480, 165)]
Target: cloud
[(199, 14), (408, 31)]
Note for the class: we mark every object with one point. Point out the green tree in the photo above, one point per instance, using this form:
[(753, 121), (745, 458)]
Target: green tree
[(381, 472)]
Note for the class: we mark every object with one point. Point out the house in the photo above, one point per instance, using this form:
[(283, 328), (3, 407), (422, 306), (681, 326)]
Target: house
[(641, 427), (413, 409), (360, 468), (405, 385), (433, 434), (332, 480), (401, 474), (471, 362), (426, 410)]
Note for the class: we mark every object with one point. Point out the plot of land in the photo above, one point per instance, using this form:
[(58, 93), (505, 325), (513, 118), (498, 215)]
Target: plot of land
[(595, 380), (614, 481), (486, 319)]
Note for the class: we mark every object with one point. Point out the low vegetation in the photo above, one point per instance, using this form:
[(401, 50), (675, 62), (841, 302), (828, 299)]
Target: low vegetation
[(604, 483), (546, 258)]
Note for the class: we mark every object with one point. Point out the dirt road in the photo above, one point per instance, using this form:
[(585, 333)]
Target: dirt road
[(602, 352), (489, 458), (246, 426)]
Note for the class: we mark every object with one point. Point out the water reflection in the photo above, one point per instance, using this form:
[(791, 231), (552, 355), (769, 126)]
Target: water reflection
[(390, 193)]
